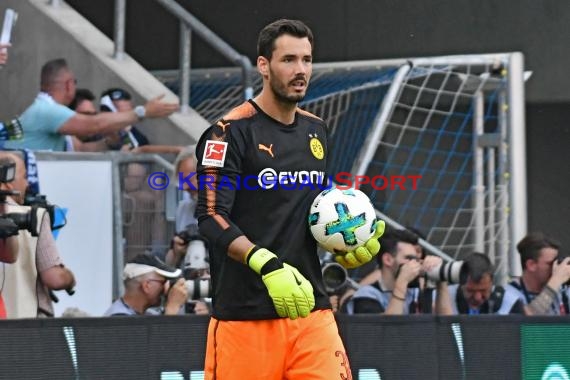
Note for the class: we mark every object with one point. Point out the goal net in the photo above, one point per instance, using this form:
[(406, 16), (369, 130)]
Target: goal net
[(432, 135)]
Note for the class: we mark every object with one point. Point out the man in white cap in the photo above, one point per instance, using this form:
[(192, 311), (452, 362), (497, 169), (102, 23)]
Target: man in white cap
[(146, 281)]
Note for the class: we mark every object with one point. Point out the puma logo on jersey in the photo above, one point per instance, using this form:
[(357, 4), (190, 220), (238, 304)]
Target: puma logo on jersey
[(222, 125), (269, 149)]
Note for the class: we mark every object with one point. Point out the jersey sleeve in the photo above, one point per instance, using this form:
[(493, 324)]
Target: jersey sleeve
[(220, 153)]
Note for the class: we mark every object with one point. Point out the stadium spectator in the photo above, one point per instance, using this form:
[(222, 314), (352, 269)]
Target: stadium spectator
[(542, 285), (48, 119), (189, 249), (202, 307), (39, 269), (146, 281), (4, 53), (396, 290), (185, 171), (83, 103), (478, 295), (144, 226), (129, 138), (280, 300)]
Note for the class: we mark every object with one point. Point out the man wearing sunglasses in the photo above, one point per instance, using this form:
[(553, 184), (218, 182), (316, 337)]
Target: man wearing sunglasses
[(48, 119), (146, 284)]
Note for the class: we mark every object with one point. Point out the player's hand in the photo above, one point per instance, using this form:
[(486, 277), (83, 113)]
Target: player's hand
[(291, 293), (365, 253)]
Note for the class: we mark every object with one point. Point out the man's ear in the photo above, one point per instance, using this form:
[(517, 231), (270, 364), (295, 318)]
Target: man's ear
[(263, 66), (387, 260), (530, 265)]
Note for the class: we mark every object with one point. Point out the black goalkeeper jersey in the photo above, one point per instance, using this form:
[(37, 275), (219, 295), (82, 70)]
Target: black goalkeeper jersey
[(258, 177)]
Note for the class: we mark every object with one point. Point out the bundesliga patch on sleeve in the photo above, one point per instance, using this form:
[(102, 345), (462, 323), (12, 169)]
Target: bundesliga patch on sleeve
[(214, 153)]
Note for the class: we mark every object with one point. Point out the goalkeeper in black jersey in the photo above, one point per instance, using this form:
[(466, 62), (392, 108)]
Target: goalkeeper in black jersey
[(259, 169)]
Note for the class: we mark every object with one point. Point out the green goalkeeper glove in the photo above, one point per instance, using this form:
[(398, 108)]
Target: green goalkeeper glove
[(291, 293), (365, 253)]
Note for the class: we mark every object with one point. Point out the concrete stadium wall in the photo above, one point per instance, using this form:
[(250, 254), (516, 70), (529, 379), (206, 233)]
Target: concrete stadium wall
[(45, 32)]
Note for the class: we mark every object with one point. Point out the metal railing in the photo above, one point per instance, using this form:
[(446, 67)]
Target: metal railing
[(188, 24), (128, 236)]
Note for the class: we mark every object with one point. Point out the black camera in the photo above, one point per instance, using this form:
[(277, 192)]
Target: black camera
[(24, 220), (29, 221), (190, 233), (40, 200)]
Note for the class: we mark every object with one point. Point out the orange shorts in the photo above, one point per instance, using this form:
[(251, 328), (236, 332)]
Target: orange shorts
[(303, 349)]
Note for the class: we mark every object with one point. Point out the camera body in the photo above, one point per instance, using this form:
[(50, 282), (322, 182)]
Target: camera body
[(39, 200), (25, 220)]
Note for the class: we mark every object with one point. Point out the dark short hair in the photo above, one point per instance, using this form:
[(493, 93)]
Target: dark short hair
[(51, 70), (529, 247), (389, 242), (477, 265), (81, 94), (268, 35), (117, 94)]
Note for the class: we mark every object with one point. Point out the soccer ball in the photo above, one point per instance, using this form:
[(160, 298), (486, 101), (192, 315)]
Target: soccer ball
[(342, 220)]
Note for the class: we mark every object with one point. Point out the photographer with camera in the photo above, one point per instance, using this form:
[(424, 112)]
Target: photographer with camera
[(149, 283), (543, 286), (184, 166), (477, 294), (39, 269), (189, 249), (196, 270), (396, 292), (9, 246)]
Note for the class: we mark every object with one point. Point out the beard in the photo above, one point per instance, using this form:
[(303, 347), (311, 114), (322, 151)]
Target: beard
[(279, 89)]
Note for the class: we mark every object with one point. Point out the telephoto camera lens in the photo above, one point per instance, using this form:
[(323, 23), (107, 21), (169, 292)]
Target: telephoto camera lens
[(453, 272), (334, 277), (199, 288)]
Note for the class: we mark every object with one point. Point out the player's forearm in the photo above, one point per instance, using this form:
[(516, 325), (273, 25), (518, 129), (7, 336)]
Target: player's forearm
[(239, 248)]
